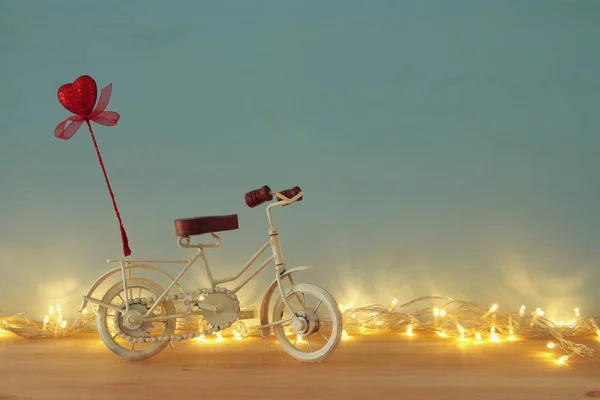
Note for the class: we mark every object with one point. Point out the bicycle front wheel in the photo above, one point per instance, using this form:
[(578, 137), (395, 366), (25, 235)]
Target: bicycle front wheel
[(314, 329)]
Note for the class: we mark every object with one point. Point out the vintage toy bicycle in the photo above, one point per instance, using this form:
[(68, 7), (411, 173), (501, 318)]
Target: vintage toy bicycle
[(137, 318)]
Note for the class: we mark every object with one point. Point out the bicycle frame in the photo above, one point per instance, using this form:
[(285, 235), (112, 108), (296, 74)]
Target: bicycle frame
[(184, 242)]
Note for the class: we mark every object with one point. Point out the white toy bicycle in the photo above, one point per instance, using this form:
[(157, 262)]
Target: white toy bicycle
[(137, 318)]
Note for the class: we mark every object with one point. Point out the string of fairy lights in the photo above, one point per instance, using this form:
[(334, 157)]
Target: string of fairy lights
[(462, 320)]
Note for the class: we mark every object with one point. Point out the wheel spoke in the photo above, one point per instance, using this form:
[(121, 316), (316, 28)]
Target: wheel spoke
[(318, 305), (323, 336), (308, 343)]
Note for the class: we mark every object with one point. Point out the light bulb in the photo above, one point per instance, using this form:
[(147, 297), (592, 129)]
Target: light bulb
[(478, 336), (409, 330), (200, 338), (461, 331), (345, 334), (394, 302), (436, 312), (51, 310), (522, 311), (442, 313), (550, 345), (237, 335), (442, 334), (494, 307), (58, 308), (562, 360), (63, 324), (299, 339)]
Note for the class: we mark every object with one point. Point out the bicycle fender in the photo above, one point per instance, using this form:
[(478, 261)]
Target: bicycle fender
[(107, 275)]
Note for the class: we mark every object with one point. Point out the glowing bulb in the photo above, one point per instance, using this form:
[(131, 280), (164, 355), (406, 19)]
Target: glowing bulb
[(59, 319), (237, 335), (201, 298), (539, 311), (200, 338), (562, 360), (493, 308), (58, 308), (344, 335), (577, 312), (51, 310), (442, 313), (522, 311), (598, 332), (478, 336), (442, 334), (84, 311), (45, 324), (461, 331), (409, 330), (63, 324), (550, 345), (494, 338), (219, 337), (342, 308), (492, 330), (299, 338), (394, 302), (436, 312)]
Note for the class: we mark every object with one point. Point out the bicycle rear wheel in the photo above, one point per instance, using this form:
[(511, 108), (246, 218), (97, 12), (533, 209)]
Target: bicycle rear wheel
[(315, 328)]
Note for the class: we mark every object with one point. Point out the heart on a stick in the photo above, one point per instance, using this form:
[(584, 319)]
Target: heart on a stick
[(80, 96)]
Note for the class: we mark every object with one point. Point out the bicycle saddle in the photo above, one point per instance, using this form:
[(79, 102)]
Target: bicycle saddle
[(201, 225)]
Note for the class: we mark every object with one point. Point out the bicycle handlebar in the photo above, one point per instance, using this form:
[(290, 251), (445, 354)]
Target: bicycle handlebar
[(255, 198)]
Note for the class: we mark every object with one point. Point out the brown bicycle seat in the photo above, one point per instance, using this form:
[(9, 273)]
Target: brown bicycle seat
[(201, 225)]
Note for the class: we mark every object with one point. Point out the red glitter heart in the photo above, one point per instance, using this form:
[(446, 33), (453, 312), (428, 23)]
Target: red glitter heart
[(80, 96)]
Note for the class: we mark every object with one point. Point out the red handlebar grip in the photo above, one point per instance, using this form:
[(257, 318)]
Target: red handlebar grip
[(289, 193), (256, 197)]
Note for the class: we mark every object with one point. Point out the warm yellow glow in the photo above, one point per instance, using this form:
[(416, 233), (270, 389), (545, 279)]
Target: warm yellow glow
[(562, 360), (442, 313), (200, 338), (59, 319), (577, 312), (51, 310), (461, 331), (598, 332), (219, 337), (63, 324), (493, 308), (84, 311), (539, 311), (409, 330), (550, 345), (236, 335), (522, 311), (478, 336), (299, 339), (442, 334), (345, 335), (436, 312), (511, 337), (58, 308), (46, 319), (494, 338), (394, 302)]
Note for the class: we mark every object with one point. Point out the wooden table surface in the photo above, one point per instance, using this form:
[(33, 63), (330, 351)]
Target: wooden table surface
[(386, 366)]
